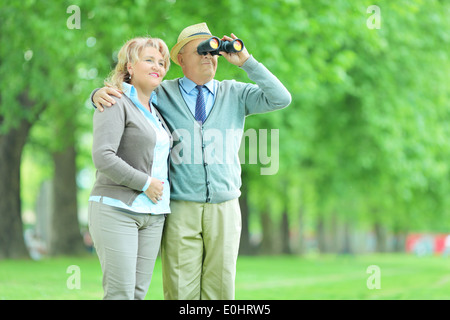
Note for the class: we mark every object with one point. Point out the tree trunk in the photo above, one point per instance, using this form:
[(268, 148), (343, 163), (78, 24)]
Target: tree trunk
[(268, 239), (285, 237), (381, 239), (301, 233), (347, 241), (333, 240), (12, 244), (66, 238), (245, 246), (321, 238)]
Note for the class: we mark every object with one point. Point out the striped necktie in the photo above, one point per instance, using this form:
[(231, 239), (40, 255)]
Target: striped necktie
[(200, 111)]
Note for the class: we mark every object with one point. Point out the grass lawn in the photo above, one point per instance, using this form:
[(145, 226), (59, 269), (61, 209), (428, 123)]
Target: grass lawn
[(258, 278)]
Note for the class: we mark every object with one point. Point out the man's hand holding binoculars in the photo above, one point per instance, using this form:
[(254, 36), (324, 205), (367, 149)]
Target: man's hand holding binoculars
[(236, 58)]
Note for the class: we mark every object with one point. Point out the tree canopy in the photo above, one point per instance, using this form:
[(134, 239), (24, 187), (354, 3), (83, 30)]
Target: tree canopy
[(365, 140)]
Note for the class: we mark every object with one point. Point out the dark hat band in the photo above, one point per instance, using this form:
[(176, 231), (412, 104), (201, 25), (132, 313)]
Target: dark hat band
[(199, 33)]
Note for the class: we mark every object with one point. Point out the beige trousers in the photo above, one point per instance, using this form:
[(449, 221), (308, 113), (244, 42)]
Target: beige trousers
[(199, 250), (127, 245)]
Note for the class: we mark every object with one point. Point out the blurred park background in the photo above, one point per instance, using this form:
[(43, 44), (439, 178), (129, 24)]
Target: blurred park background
[(363, 149)]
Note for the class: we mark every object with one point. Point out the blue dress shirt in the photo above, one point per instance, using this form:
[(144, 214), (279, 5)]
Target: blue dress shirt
[(189, 93)]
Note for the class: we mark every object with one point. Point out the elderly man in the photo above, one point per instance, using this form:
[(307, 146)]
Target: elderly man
[(201, 236)]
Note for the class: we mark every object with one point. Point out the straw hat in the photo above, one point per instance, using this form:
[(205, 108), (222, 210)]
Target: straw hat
[(196, 31)]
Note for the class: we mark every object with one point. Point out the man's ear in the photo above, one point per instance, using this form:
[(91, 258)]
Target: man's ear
[(180, 59)]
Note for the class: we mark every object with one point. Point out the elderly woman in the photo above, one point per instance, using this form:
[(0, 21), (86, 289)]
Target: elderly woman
[(131, 194)]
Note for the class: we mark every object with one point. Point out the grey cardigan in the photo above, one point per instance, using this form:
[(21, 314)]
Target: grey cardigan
[(122, 150)]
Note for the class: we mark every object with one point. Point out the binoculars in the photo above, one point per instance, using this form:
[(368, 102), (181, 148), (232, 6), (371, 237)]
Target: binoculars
[(214, 45)]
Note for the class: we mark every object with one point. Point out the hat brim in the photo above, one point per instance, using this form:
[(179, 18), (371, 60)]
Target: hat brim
[(176, 48)]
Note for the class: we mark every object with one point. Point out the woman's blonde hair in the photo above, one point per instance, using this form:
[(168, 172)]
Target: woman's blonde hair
[(131, 52)]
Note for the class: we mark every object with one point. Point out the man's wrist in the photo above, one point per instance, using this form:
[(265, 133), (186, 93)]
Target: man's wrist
[(249, 64)]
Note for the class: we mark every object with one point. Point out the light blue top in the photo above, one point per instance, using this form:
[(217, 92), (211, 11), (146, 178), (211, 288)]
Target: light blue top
[(143, 204)]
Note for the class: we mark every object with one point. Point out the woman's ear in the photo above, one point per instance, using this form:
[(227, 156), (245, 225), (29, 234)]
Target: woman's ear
[(129, 68)]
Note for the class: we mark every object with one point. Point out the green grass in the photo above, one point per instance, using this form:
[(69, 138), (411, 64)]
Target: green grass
[(258, 278)]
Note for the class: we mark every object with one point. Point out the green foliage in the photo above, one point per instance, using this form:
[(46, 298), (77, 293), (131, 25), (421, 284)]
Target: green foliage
[(370, 111), (366, 135)]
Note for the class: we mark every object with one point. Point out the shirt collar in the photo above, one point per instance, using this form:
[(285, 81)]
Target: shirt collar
[(189, 85), (130, 91)]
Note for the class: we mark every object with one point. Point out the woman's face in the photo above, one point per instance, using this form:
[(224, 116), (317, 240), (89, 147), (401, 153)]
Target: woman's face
[(149, 71)]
